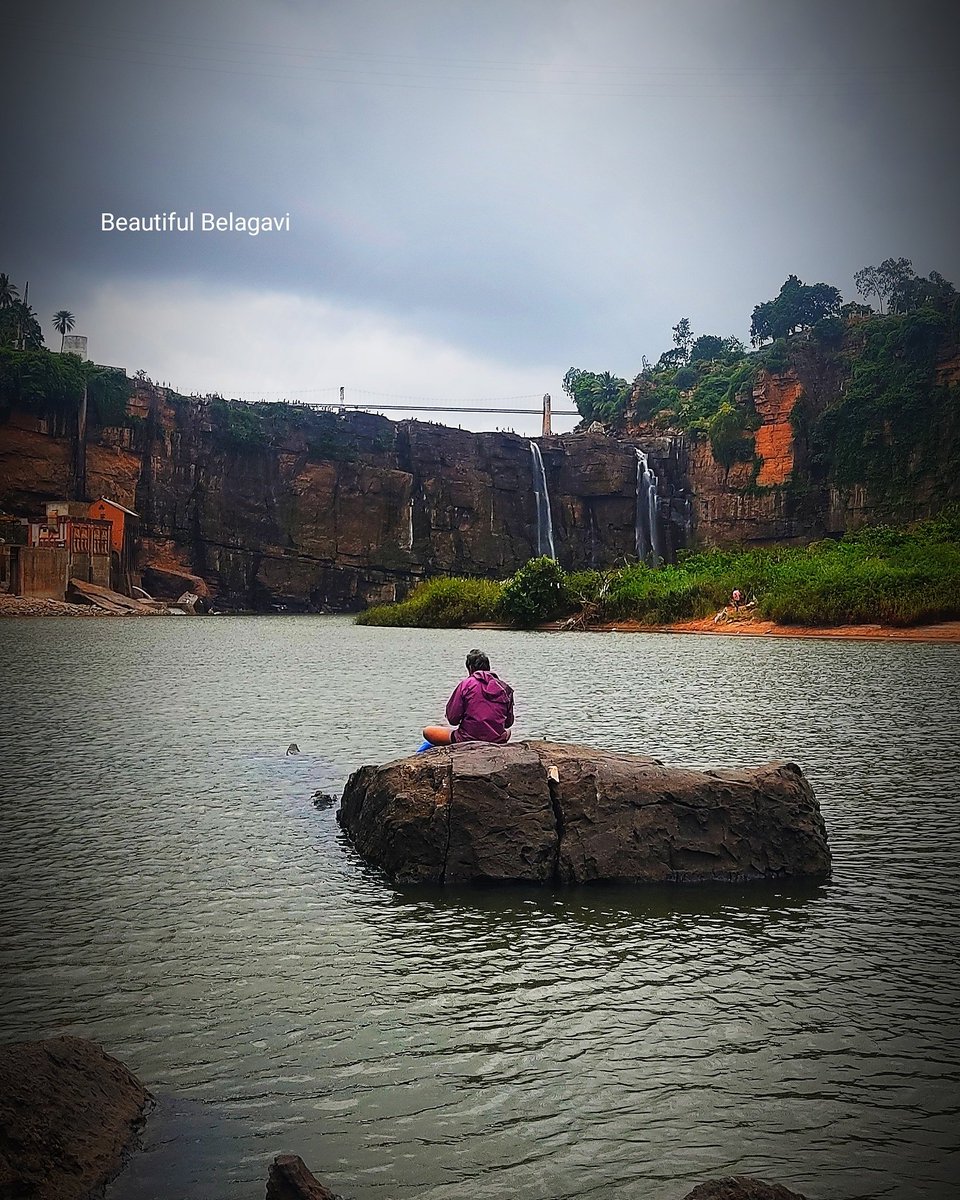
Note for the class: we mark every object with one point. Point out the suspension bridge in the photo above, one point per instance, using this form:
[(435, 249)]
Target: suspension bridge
[(414, 405)]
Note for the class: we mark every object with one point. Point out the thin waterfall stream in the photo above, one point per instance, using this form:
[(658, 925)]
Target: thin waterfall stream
[(544, 520), (648, 525)]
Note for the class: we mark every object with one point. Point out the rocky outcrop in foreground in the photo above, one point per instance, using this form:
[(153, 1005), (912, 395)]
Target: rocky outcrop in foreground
[(545, 813), (68, 1113), (290, 1179)]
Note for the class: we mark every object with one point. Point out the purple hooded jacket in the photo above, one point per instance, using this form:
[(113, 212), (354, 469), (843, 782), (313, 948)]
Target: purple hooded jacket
[(482, 707)]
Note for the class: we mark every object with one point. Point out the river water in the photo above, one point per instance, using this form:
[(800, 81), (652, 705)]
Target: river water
[(169, 890)]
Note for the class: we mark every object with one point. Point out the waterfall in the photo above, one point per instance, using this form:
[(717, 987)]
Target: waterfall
[(410, 522), (648, 528), (542, 496)]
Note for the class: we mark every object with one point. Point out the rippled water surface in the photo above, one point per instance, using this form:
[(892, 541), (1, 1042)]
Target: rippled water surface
[(169, 889)]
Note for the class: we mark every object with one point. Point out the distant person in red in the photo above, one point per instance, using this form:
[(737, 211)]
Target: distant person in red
[(737, 599), (481, 707)]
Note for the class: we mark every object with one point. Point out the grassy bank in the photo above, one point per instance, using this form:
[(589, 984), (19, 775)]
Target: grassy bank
[(878, 576)]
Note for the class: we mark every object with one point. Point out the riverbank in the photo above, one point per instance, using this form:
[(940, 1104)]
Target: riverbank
[(36, 606), (941, 631)]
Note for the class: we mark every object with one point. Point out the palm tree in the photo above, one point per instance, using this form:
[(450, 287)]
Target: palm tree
[(63, 322), (9, 292)]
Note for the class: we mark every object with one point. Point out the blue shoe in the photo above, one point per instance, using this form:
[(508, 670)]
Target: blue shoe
[(425, 746)]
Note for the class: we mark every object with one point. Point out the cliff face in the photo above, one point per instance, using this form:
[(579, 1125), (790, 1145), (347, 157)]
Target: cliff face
[(282, 505), (791, 491), (319, 509)]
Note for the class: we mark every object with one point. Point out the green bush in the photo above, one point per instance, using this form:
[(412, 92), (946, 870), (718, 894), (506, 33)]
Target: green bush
[(40, 381), (444, 603), (535, 594), (108, 390)]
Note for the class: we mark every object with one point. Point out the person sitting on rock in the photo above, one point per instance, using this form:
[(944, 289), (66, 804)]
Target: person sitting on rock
[(481, 707)]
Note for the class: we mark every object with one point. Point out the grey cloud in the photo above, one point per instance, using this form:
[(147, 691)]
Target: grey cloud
[(532, 181)]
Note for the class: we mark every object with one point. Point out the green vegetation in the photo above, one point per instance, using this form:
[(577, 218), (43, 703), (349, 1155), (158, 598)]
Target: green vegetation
[(51, 385), (40, 382), (537, 593), (798, 306), (892, 418), (880, 575), (108, 390), (444, 603), (879, 425)]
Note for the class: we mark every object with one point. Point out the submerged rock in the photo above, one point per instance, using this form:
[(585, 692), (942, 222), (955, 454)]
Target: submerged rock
[(546, 813), (68, 1113), (741, 1187)]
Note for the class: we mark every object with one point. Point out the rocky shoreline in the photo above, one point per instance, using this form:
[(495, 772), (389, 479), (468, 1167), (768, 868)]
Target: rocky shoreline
[(940, 631), (70, 1115)]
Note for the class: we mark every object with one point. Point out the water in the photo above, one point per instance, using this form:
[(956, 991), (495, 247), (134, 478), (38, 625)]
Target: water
[(542, 497), (648, 524), (168, 889)]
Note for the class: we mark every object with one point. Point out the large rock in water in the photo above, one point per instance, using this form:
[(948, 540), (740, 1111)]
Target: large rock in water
[(546, 813), (68, 1114)]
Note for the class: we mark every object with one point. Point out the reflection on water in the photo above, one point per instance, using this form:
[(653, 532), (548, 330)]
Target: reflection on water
[(168, 888)]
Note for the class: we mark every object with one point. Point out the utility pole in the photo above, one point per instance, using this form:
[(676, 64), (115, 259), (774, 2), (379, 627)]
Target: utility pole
[(546, 430), (23, 309)]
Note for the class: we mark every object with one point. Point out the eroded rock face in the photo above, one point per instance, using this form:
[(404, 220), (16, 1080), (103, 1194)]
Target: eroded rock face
[(68, 1112), (545, 813)]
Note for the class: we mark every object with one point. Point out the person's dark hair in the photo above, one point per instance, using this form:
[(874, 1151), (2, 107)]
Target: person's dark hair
[(477, 661)]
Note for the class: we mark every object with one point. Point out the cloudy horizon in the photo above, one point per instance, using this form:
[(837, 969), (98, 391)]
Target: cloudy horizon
[(480, 196)]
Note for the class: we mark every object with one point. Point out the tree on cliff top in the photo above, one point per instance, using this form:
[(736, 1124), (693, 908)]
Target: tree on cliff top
[(598, 397), (9, 292), (882, 281), (896, 283), (63, 322), (798, 306), (19, 327)]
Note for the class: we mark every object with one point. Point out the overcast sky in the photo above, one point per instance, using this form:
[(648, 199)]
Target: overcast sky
[(481, 194)]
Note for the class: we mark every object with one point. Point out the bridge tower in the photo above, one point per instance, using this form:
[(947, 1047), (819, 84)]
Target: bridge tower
[(545, 429)]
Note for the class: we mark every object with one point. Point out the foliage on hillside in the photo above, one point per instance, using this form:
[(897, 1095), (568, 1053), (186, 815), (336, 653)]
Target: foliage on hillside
[(52, 385), (890, 410), (879, 575), (892, 418)]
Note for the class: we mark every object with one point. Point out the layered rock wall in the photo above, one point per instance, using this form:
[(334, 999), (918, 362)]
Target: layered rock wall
[(290, 507), (327, 510)]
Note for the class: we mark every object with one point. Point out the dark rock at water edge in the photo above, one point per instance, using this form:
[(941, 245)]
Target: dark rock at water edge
[(289, 1179), (547, 813), (741, 1187), (68, 1114)]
